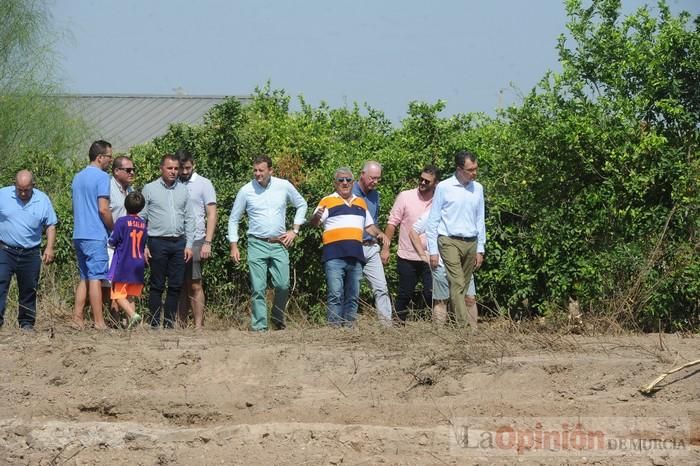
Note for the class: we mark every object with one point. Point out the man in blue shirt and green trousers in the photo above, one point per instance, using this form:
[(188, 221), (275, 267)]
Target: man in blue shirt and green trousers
[(265, 200)]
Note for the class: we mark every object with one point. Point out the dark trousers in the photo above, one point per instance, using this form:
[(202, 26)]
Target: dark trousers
[(25, 264), (167, 262), (409, 274)]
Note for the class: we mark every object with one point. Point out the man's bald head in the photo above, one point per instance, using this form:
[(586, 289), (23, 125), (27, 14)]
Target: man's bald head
[(24, 177), (24, 185)]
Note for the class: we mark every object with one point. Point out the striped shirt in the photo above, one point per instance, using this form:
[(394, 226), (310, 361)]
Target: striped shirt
[(344, 222)]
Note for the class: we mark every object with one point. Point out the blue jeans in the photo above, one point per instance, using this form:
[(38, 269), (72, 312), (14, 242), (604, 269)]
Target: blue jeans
[(25, 264), (167, 262), (343, 279)]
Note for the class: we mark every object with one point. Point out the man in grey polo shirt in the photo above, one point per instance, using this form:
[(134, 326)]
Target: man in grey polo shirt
[(170, 236), (203, 201), (123, 172)]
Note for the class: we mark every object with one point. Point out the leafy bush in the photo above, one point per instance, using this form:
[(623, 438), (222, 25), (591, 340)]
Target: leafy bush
[(591, 183)]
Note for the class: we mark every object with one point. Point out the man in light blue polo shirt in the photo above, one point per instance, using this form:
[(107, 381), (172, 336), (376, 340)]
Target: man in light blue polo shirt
[(25, 212), (456, 231), (93, 222), (265, 201)]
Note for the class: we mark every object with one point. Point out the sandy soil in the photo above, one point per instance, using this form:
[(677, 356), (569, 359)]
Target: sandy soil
[(323, 396)]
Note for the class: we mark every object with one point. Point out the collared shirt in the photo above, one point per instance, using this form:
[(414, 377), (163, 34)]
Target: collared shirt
[(266, 208), (21, 224), (168, 211), (372, 201), (344, 222), (407, 208), (419, 227), (89, 185), (117, 195), (457, 210), (202, 194)]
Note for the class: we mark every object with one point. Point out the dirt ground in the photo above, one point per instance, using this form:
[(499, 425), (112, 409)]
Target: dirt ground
[(325, 396)]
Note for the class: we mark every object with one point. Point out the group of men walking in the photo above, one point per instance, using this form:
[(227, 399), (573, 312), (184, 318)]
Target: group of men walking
[(441, 239)]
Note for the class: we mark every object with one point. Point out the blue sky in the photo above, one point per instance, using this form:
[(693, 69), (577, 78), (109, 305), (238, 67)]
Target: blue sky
[(474, 54)]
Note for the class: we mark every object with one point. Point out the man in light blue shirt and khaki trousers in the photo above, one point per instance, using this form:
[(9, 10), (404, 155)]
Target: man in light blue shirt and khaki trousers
[(456, 230), (265, 200)]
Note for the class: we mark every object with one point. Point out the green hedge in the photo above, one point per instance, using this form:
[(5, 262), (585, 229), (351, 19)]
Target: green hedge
[(591, 183)]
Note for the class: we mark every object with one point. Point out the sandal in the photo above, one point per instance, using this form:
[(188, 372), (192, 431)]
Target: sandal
[(134, 321)]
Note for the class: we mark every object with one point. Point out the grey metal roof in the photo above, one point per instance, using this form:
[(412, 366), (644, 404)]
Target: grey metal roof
[(128, 120)]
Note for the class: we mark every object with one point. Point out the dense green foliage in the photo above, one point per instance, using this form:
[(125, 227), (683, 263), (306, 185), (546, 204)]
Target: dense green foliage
[(29, 121), (591, 183)]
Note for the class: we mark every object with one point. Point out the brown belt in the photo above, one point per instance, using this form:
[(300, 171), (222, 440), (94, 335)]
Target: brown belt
[(267, 240)]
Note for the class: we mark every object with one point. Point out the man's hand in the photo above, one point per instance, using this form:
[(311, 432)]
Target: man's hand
[(235, 254), (147, 254), (287, 238), (205, 251), (434, 261), (479, 260), (188, 255), (48, 256), (384, 255), (316, 217)]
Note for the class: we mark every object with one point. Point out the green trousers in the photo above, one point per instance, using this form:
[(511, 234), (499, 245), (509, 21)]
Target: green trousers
[(264, 257)]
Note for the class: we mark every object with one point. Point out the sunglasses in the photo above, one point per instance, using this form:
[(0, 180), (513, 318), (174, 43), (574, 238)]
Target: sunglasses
[(128, 170), (345, 179), (422, 180)]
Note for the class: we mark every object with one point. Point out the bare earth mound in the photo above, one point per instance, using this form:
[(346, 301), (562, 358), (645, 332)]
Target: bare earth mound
[(325, 396)]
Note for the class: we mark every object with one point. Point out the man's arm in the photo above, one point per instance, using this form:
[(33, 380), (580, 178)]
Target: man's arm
[(431, 228), (48, 255), (379, 234), (105, 212), (389, 233), (481, 232), (317, 217), (209, 235), (301, 207), (239, 205), (418, 245)]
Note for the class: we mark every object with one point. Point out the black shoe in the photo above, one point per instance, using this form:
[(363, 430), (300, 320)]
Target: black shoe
[(27, 328)]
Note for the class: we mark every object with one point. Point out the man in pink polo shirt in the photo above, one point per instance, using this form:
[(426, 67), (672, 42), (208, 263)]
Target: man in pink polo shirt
[(408, 207)]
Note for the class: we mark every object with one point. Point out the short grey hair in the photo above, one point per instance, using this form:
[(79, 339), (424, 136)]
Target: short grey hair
[(343, 171), (369, 163)]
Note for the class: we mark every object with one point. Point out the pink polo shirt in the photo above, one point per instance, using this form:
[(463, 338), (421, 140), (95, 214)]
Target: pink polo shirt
[(408, 207)]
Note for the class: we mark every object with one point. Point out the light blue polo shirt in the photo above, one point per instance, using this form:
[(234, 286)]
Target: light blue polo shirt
[(89, 185), (21, 225), (372, 201)]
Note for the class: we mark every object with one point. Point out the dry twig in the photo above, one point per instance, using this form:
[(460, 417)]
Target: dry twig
[(651, 388)]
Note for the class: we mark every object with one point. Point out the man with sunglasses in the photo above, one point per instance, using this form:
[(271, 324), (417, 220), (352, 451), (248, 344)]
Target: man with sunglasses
[(123, 172), (345, 219), (408, 207), (25, 213), (373, 269), (456, 231), (92, 224)]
